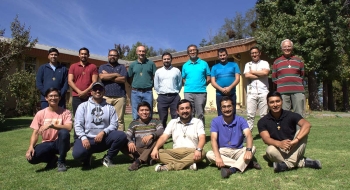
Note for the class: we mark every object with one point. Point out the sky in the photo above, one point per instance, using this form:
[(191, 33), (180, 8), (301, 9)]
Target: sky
[(98, 25)]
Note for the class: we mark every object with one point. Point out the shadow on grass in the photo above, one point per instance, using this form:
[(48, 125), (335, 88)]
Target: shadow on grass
[(15, 123), (257, 136)]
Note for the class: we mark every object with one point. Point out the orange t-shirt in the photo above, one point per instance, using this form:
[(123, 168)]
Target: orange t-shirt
[(48, 117)]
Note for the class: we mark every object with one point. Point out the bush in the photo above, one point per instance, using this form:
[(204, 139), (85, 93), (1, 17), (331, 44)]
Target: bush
[(2, 105), (22, 87)]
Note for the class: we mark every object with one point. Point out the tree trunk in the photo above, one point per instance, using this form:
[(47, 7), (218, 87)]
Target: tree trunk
[(325, 95), (312, 86), (345, 89), (331, 105)]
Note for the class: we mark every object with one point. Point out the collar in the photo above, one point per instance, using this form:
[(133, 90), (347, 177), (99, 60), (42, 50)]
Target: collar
[(232, 124), (283, 115), (57, 66), (185, 124), (144, 62), (109, 64), (256, 62), (198, 59), (168, 68)]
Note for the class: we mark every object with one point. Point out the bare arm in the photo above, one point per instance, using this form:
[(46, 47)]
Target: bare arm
[(208, 80), (215, 85), (72, 84), (33, 140), (94, 79), (304, 131), (160, 142), (215, 147), (248, 134)]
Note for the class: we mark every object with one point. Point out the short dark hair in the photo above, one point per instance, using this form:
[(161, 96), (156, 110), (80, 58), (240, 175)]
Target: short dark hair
[(226, 98), (273, 93), (192, 45), (84, 48), (182, 102), (113, 50), (53, 50), (143, 103), (222, 50), (255, 47), (48, 91), (167, 53)]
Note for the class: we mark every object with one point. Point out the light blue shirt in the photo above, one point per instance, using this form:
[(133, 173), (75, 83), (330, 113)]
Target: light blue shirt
[(225, 75), (167, 80), (195, 74)]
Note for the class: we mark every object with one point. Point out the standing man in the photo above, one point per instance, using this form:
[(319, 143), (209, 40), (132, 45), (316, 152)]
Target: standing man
[(286, 144), (52, 75), (196, 77), (288, 74), (227, 135), (225, 76), (113, 76), (81, 76), (53, 124), (167, 84), (95, 124), (256, 72), (189, 138), (140, 76)]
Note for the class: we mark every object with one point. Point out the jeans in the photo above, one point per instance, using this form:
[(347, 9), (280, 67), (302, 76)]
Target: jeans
[(138, 97), (218, 103), (46, 151)]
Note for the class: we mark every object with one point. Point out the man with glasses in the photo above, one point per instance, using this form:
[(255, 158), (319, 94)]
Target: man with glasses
[(196, 77), (256, 71), (96, 127), (288, 74), (227, 136), (113, 75)]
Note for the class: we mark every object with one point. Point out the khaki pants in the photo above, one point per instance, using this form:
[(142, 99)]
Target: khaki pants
[(178, 158), (292, 158), (296, 100), (255, 102), (119, 104), (232, 157)]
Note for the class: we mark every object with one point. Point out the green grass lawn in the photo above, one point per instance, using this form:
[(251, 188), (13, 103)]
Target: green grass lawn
[(328, 141)]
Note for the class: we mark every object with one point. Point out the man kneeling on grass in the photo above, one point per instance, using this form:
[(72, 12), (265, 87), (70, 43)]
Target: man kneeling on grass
[(188, 137), (227, 135), (142, 135), (96, 127), (286, 145), (53, 124)]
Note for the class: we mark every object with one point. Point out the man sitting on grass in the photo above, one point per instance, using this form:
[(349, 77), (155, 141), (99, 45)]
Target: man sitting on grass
[(189, 138), (227, 135), (142, 135), (53, 124), (286, 145), (96, 127)]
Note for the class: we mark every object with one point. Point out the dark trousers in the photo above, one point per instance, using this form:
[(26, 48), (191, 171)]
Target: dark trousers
[(164, 103), (46, 151), (218, 103), (144, 153), (61, 103), (114, 141)]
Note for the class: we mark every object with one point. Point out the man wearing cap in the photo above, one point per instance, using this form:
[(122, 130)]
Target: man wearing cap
[(96, 127), (52, 75)]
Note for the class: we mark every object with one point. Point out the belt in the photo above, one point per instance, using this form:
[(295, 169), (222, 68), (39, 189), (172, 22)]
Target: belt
[(142, 89), (169, 94)]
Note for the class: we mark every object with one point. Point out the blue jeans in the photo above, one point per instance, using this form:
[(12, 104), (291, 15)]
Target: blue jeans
[(46, 151), (138, 97), (114, 141), (218, 103)]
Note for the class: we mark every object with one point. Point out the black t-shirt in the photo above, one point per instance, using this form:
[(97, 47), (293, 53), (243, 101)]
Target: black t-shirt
[(281, 129)]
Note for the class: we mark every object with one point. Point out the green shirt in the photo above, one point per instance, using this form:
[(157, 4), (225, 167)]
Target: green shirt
[(142, 73)]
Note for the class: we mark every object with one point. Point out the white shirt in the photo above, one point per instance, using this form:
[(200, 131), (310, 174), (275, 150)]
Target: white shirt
[(185, 136), (261, 84), (167, 80)]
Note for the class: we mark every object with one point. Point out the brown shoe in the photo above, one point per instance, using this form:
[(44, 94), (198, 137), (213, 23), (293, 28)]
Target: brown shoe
[(253, 164), (134, 166), (226, 172)]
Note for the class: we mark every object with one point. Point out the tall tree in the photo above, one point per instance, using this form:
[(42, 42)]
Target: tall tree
[(12, 50), (122, 49), (318, 30)]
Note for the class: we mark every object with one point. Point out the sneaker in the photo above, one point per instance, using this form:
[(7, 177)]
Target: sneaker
[(52, 164), (280, 167), (134, 166), (309, 163), (107, 161), (87, 162), (61, 167), (160, 168), (193, 167), (226, 172)]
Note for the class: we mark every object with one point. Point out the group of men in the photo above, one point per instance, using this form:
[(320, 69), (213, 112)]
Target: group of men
[(99, 108)]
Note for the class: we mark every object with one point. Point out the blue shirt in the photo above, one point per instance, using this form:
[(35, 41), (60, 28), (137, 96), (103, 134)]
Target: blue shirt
[(167, 80), (225, 75), (229, 135), (112, 88), (196, 76)]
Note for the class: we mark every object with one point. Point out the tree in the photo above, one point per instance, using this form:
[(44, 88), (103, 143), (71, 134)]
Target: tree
[(122, 49), (12, 50), (161, 51), (317, 28)]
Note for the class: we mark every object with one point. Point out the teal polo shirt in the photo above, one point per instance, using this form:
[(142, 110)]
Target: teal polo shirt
[(142, 73), (196, 76)]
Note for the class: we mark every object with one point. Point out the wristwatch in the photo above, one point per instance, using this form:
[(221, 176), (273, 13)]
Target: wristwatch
[(51, 126), (248, 149), (199, 149)]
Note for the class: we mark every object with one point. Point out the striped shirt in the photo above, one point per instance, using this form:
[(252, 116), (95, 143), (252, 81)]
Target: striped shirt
[(287, 74)]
